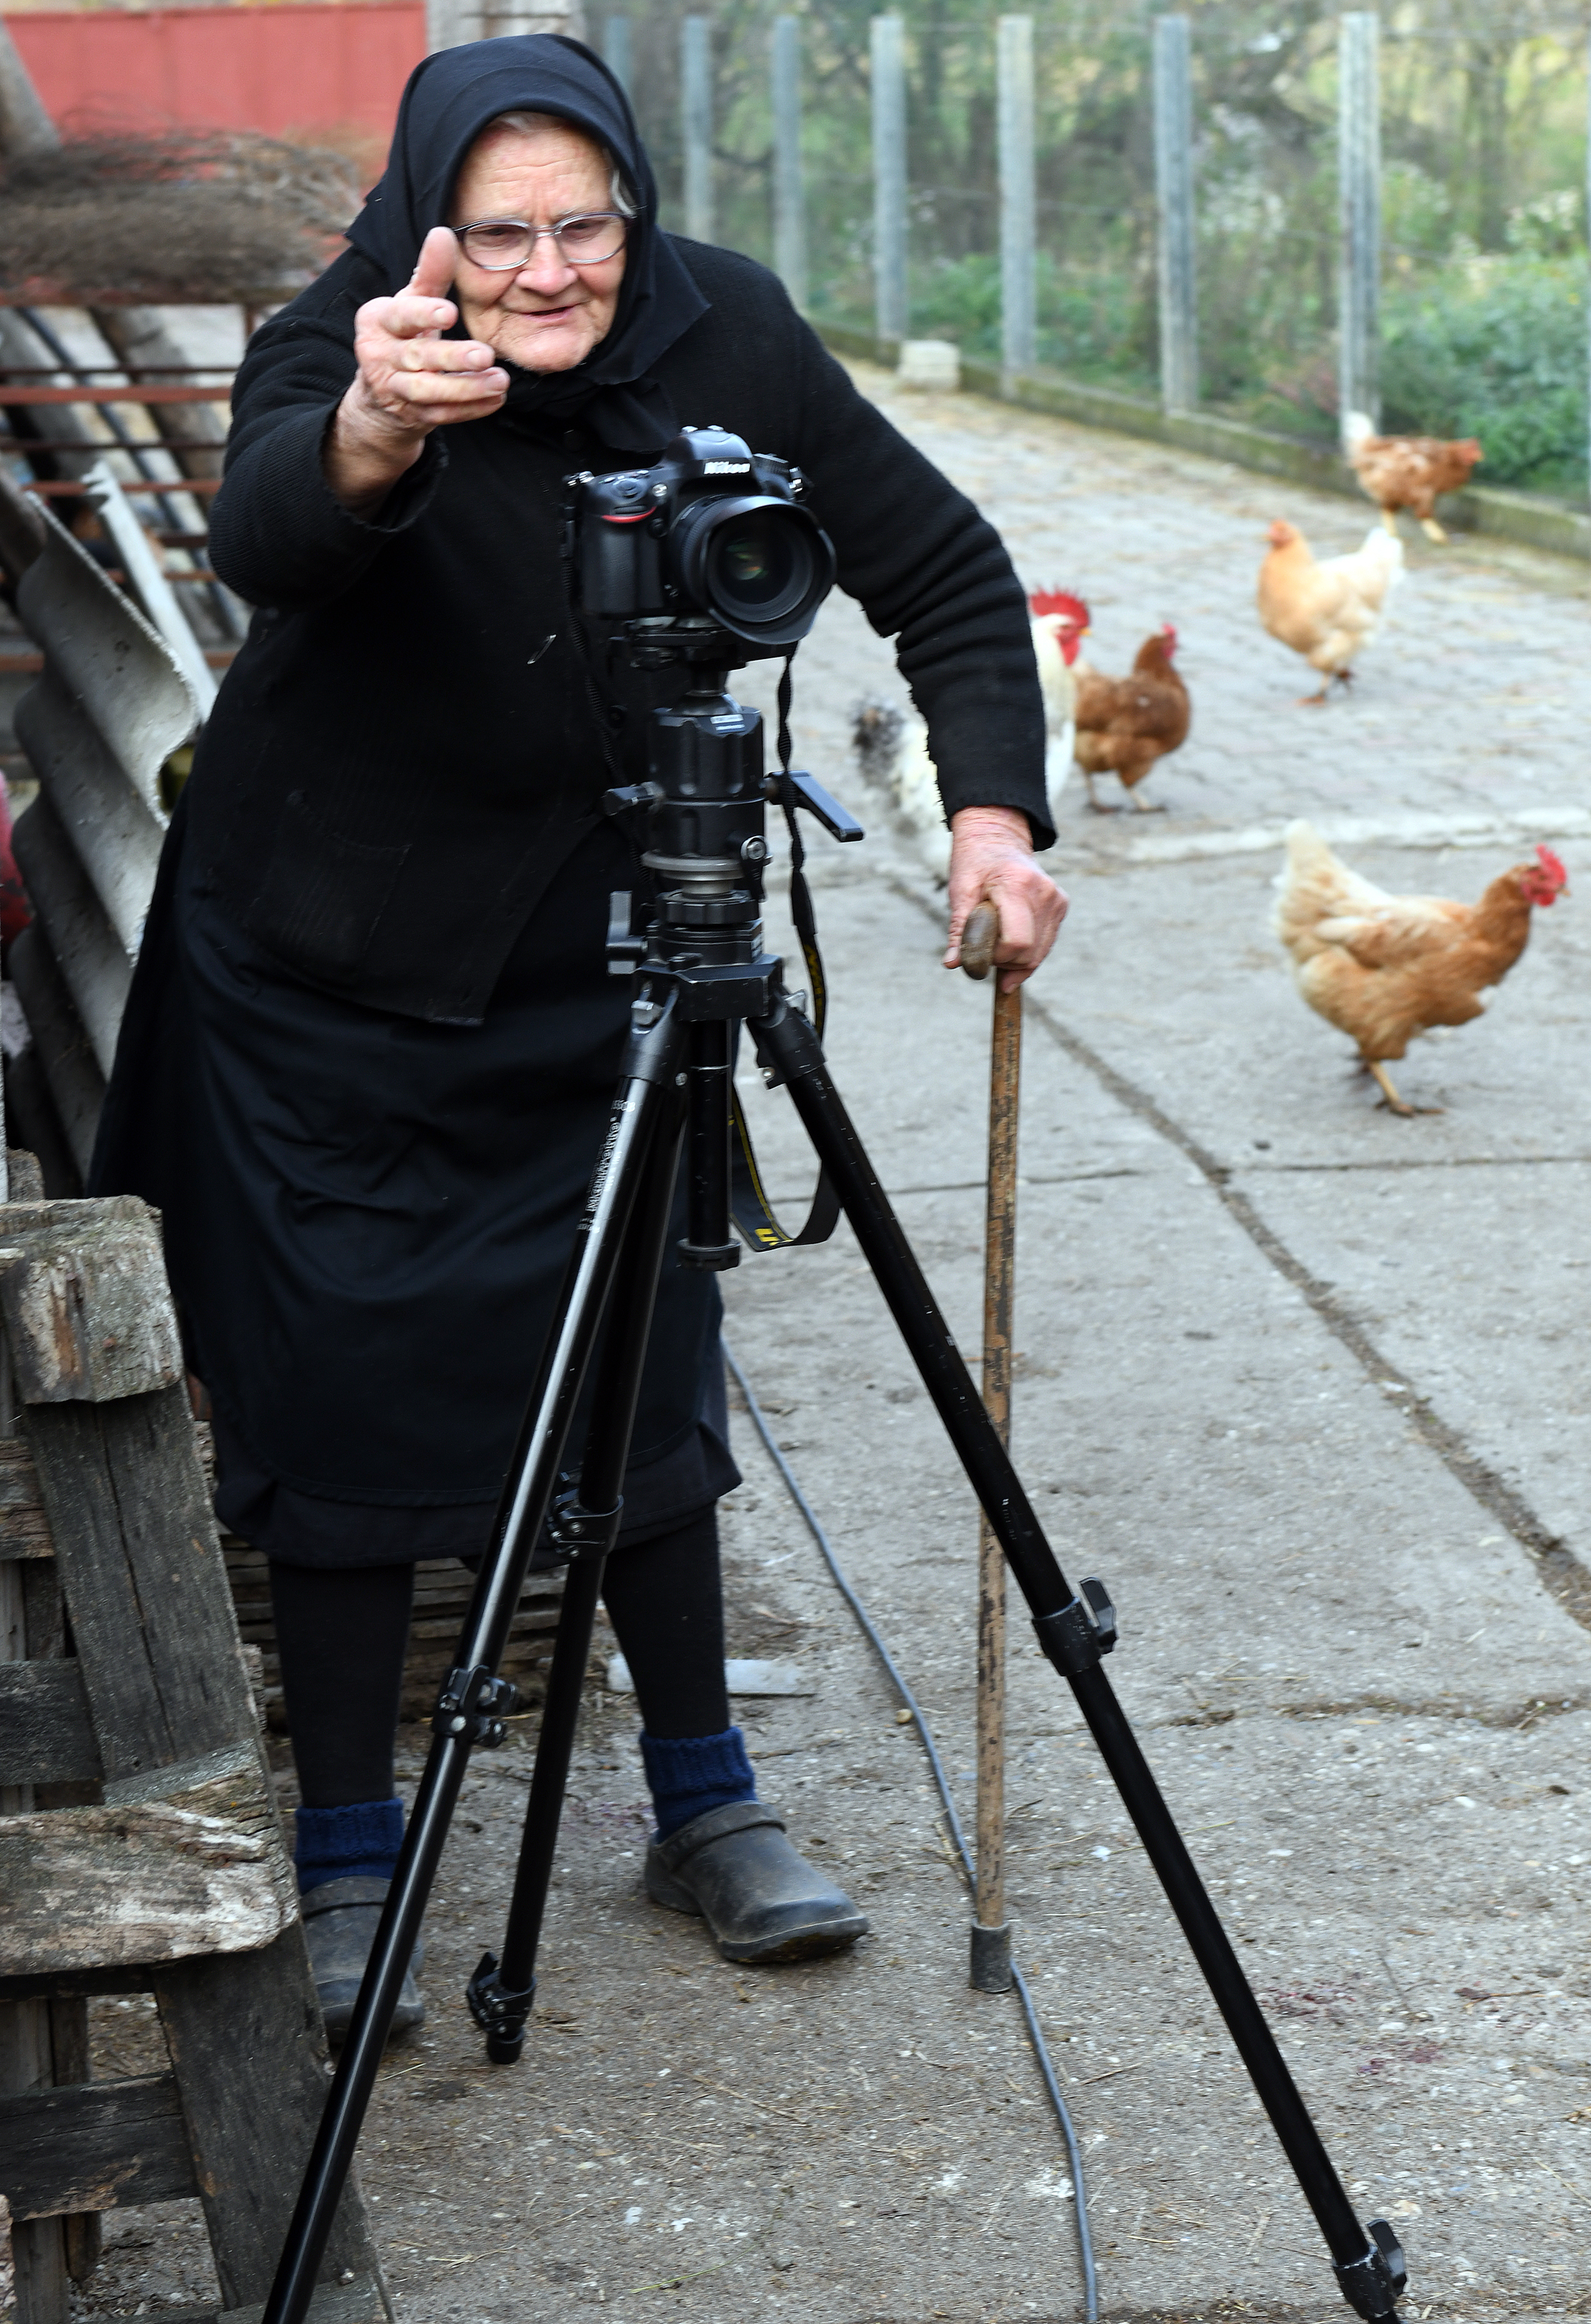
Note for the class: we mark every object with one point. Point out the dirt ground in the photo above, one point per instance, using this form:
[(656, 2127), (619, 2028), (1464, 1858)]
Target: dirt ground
[(1305, 1383)]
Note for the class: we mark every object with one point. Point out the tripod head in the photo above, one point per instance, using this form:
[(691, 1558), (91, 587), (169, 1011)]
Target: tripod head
[(699, 825)]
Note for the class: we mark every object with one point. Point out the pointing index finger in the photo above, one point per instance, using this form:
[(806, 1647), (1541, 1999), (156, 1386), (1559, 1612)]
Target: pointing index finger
[(434, 268)]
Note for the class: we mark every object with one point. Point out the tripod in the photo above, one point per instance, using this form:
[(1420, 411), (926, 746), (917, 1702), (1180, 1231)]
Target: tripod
[(699, 971)]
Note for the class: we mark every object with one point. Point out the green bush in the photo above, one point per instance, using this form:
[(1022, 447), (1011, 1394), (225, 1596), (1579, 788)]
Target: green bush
[(1495, 349), (1091, 321)]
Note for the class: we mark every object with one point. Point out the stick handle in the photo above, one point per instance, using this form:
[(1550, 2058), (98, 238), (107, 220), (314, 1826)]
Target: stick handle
[(978, 939)]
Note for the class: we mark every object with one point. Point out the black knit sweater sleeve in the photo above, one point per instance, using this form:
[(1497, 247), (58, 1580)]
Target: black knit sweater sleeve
[(932, 573), (279, 536)]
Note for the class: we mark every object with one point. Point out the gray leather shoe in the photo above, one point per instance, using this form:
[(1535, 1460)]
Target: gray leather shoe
[(761, 1901), (339, 1921)]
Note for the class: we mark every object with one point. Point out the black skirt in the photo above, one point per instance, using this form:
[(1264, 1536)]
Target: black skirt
[(367, 1219)]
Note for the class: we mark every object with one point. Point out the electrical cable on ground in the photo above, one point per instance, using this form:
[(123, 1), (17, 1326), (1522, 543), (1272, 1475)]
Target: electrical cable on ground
[(942, 1783)]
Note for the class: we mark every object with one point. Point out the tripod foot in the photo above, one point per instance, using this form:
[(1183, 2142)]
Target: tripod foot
[(1374, 2286)]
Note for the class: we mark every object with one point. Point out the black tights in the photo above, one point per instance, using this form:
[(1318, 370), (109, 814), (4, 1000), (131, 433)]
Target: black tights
[(342, 1637)]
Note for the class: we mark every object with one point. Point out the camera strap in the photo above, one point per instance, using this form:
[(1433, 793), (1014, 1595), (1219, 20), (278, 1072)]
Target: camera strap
[(748, 1204)]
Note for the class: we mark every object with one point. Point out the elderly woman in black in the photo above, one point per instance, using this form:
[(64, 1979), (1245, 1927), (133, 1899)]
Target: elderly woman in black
[(371, 1045)]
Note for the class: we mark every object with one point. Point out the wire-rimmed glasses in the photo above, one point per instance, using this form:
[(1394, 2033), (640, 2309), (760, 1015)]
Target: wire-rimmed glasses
[(501, 245)]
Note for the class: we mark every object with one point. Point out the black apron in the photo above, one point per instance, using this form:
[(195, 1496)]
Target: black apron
[(367, 1219)]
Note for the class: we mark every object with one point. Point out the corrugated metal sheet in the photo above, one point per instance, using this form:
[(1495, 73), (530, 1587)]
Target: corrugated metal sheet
[(97, 727)]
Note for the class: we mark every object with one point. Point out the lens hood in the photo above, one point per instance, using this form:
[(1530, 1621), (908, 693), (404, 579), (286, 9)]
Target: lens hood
[(760, 566)]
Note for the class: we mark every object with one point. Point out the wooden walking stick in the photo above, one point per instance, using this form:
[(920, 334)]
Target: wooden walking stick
[(990, 1969)]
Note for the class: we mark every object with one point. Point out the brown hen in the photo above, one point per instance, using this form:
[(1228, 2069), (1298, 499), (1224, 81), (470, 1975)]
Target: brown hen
[(1384, 968), (1124, 724), (1408, 472)]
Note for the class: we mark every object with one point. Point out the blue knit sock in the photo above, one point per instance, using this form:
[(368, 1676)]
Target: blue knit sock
[(693, 1776), (358, 1842)]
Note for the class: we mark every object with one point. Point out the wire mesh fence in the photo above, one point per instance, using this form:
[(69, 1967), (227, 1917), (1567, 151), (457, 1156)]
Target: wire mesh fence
[(1479, 134)]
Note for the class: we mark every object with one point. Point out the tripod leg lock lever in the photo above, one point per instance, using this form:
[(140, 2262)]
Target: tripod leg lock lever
[(1374, 2286), (572, 1526), (500, 2014), (1077, 1635), (473, 1705)]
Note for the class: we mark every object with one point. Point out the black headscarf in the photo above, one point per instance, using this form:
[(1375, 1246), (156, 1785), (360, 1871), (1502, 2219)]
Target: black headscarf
[(448, 101)]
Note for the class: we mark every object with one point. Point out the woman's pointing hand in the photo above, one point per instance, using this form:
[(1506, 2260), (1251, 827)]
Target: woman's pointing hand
[(409, 380)]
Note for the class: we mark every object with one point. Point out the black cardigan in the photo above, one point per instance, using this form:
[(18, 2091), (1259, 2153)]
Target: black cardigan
[(393, 772)]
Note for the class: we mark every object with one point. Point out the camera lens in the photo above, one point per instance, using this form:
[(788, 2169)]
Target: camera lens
[(761, 568), (758, 569)]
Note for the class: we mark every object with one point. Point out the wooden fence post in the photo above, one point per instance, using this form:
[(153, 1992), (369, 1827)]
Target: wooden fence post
[(789, 203), (1019, 345), (696, 110), (615, 49), (1359, 186), (1173, 181), (888, 179)]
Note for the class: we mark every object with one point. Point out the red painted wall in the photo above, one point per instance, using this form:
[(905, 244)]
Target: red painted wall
[(299, 71)]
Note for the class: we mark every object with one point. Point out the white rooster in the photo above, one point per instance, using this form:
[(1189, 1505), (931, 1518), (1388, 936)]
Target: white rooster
[(892, 746)]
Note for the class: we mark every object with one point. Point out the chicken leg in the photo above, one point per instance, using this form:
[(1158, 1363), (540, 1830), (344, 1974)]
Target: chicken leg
[(1396, 1104), (1389, 517), (1433, 530)]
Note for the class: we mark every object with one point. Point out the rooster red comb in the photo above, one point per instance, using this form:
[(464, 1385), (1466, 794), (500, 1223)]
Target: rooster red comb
[(1553, 866), (1059, 600)]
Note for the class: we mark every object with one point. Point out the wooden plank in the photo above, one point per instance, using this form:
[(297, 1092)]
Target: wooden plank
[(25, 1529), (46, 1735), (442, 1590), (199, 1869), (93, 2146), (244, 2037), (360, 2302), (145, 1585), (55, 1985), (87, 1310)]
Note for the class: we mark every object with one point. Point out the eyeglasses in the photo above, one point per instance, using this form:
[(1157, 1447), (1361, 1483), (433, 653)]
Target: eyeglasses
[(502, 244)]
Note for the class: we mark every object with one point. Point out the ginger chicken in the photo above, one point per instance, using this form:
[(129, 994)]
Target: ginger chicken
[(1384, 968), (1124, 724), (1327, 608), (1408, 472)]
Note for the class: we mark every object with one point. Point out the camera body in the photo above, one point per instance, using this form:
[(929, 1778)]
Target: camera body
[(711, 530)]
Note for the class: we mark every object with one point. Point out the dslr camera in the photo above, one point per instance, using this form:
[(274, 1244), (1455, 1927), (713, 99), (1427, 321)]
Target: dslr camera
[(711, 530)]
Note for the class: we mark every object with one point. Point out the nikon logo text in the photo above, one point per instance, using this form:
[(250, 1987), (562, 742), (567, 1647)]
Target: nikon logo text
[(727, 467)]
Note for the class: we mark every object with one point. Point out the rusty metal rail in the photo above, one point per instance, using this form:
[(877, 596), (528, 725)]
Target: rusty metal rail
[(152, 391)]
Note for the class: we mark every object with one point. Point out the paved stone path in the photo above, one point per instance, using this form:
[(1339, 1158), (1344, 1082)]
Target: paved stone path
[(1470, 709)]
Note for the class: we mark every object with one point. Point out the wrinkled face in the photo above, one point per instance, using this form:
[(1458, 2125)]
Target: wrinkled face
[(548, 314), (1280, 533), (1169, 638)]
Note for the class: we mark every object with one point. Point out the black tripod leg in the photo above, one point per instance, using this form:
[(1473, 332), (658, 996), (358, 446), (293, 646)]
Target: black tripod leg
[(468, 1711), (501, 1994), (1073, 1635)]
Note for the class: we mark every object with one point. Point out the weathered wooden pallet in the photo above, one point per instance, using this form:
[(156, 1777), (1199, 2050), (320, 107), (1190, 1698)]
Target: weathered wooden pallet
[(140, 1849), (441, 1598)]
